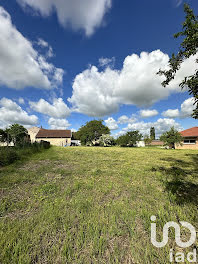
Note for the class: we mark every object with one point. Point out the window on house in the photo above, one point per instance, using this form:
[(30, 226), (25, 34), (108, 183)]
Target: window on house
[(189, 141)]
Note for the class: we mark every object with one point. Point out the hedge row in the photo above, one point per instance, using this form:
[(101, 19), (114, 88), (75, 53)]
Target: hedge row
[(9, 155)]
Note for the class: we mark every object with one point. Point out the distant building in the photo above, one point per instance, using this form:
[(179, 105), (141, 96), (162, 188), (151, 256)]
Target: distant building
[(140, 144), (156, 142), (190, 139), (55, 137)]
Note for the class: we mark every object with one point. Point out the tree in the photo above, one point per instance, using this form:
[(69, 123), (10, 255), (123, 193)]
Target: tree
[(75, 135), (147, 140), (18, 133), (129, 139), (92, 131), (134, 136), (5, 136), (106, 140), (2, 135), (188, 48), (152, 133), (122, 141), (171, 137)]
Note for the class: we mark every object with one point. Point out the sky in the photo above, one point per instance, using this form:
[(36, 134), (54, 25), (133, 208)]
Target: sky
[(63, 63)]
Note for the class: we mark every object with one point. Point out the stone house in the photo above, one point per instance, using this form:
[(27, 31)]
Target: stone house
[(190, 139), (60, 138), (33, 131)]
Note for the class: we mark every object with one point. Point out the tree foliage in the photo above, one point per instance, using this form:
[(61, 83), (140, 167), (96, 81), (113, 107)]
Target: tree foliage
[(152, 133), (147, 140), (5, 136), (188, 47), (171, 137), (75, 136), (17, 133), (129, 139), (92, 131)]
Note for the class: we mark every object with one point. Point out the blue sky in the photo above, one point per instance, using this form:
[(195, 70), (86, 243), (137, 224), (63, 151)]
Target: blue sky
[(64, 63)]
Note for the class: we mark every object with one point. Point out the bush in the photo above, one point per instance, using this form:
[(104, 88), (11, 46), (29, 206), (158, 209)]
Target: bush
[(8, 155), (147, 140)]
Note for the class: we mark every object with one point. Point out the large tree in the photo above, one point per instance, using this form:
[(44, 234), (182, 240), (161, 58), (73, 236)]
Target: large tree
[(171, 137), (129, 139), (18, 133), (188, 48), (5, 136), (92, 131)]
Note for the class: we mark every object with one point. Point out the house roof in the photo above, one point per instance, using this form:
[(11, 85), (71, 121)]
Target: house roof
[(48, 133), (191, 132)]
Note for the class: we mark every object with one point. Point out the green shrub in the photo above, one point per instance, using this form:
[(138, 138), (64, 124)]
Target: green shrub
[(8, 155)]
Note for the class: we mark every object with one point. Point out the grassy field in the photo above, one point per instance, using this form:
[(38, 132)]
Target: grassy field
[(93, 205)]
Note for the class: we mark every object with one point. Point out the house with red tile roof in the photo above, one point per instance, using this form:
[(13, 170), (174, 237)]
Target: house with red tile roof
[(190, 139)]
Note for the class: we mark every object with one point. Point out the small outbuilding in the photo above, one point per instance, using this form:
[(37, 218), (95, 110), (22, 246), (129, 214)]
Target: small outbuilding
[(190, 139), (140, 144)]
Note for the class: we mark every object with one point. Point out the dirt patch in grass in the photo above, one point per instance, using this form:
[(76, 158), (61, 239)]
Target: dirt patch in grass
[(121, 244), (35, 165)]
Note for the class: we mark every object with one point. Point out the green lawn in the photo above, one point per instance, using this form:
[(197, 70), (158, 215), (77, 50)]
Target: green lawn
[(93, 205)]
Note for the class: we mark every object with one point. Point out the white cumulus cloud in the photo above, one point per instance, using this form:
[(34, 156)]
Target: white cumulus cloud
[(99, 93), (186, 110), (125, 119), (56, 123), (93, 92), (172, 113), (111, 123), (11, 112), (20, 64), (187, 107), (148, 113), (85, 15), (58, 109)]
